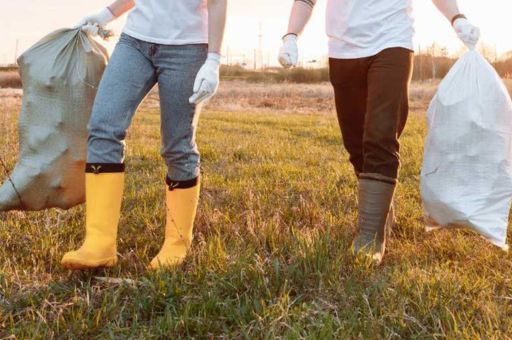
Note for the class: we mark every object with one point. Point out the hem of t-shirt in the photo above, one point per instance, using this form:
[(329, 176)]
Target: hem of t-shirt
[(164, 41), (364, 53)]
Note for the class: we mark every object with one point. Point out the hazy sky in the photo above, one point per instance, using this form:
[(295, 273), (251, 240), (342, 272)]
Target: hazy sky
[(26, 21)]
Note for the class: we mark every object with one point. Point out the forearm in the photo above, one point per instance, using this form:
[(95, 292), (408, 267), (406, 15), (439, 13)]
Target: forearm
[(300, 15), (449, 8), (216, 23), (119, 7)]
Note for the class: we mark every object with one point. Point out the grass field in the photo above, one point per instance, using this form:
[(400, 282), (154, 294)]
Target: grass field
[(271, 251)]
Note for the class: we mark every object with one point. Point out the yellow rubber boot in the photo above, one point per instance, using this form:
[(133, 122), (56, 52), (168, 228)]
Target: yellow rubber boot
[(181, 213), (103, 194)]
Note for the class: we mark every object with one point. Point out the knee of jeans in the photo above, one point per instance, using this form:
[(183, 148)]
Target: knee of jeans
[(106, 130)]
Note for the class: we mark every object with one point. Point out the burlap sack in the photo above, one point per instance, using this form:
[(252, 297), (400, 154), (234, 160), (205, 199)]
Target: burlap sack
[(60, 75)]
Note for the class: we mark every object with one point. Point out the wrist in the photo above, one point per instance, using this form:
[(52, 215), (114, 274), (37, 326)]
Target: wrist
[(290, 36), (105, 16), (213, 58), (458, 17)]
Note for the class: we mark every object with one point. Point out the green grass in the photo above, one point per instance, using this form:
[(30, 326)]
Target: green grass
[(271, 251)]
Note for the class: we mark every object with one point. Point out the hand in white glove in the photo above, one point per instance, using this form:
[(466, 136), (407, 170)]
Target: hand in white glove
[(207, 79), (93, 23), (467, 32), (289, 52)]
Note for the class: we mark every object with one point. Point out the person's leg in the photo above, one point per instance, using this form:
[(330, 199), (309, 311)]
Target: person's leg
[(177, 70), (389, 76), (129, 76), (348, 78), (126, 81)]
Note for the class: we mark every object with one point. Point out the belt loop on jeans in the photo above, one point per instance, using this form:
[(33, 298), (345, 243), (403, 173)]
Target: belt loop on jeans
[(152, 50)]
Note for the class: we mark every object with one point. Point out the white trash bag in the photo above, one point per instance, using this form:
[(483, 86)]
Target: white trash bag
[(466, 180)]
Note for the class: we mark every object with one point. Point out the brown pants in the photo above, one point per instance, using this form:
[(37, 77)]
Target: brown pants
[(372, 101)]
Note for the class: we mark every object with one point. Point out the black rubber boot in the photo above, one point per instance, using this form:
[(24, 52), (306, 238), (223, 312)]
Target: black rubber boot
[(376, 216)]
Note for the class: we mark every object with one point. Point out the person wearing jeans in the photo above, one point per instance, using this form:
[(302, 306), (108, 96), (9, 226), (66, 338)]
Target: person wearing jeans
[(175, 44), (370, 61)]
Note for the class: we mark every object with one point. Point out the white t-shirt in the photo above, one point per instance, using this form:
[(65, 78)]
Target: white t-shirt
[(169, 22), (363, 28)]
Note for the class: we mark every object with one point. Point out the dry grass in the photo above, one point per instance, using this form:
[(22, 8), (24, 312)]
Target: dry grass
[(10, 79), (236, 96), (297, 98)]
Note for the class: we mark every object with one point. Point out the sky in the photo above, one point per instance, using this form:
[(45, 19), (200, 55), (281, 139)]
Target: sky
[(23, 22)]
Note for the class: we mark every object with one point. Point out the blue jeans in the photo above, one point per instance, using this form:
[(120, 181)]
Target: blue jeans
[(133, 70)]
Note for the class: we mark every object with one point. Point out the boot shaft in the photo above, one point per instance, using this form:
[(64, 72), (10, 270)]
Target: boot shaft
[(375, 201), (103, 195), (181, 212)]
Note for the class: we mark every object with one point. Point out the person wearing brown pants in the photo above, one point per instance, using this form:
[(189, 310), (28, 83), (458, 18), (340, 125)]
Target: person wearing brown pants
[(372, 102), (370, 60)]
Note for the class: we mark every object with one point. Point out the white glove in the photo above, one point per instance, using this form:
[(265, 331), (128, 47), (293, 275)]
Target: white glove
[(467, 32), (207, 79), (93, 23), (289, 52)]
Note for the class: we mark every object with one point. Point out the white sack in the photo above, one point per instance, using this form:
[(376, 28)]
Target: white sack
[(60, 75), (466, 180)]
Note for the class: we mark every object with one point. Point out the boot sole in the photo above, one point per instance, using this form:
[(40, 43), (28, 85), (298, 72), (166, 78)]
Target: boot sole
[(72, 265), (166, 265)]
